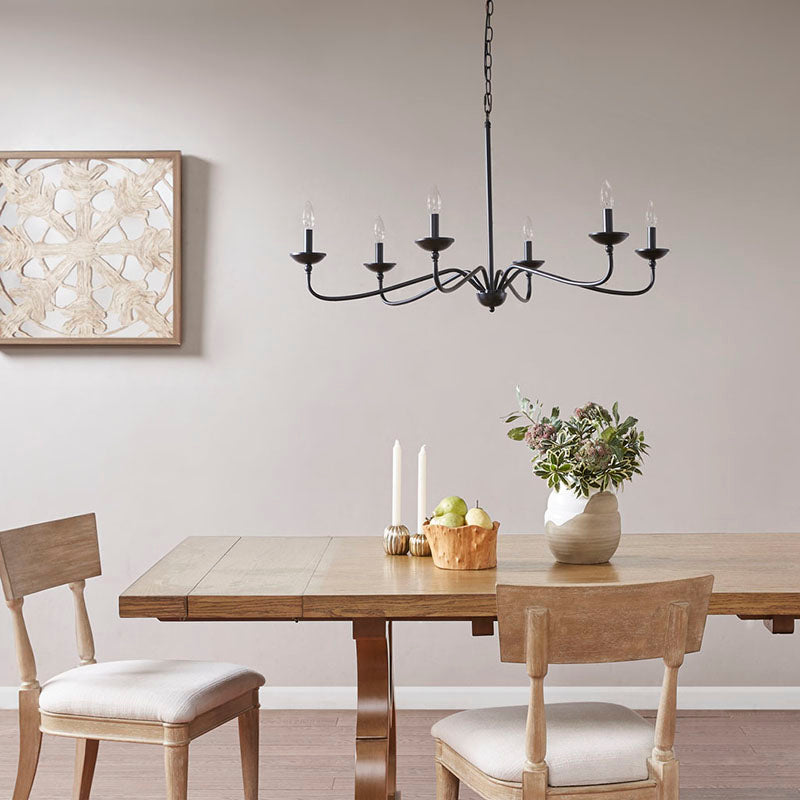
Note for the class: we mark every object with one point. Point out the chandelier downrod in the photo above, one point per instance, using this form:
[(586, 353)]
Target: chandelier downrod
[(487, 128), (491, 284)]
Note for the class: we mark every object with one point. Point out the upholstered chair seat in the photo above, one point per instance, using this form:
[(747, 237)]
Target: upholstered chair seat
[(167, 703), (171, 692), (588, 744), (586, 750)]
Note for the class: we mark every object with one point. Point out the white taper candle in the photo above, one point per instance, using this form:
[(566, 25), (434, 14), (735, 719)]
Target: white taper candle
[(397, 468), (422, 487)]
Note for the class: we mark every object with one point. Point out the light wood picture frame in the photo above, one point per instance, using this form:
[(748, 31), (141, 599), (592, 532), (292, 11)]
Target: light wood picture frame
[(90, 247)]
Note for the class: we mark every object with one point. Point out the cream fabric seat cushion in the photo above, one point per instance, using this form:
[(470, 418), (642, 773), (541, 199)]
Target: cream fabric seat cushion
[(161, 691), (587, 743)]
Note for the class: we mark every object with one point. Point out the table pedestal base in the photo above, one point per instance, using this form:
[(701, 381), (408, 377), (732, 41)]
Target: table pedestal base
[(376, 742)]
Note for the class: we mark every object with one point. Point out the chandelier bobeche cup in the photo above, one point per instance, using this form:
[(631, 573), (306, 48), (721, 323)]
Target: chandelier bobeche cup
[(490, 283)]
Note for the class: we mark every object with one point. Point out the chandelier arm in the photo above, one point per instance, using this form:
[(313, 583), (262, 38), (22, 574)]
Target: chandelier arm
[(467, 276), (419, 296), (476, 282), (518, 295), (594, 287), (508, 276), (570, 281), (627, 292), (379, 291)]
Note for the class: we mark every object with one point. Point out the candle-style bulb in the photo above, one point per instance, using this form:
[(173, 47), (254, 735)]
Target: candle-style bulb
[(527, 230), (651, 220), (379, 230), (308, 216), (606, 195), (527, 239), (434, 201)]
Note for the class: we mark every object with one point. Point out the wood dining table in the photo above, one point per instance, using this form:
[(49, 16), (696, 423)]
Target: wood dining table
[(227, 578)]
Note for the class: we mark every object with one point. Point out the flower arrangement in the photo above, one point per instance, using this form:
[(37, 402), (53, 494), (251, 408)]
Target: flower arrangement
[(592, 449)]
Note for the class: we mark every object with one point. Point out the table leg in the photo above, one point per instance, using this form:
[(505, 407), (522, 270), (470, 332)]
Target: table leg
[(776, 624), (483, 626), (375, 770)]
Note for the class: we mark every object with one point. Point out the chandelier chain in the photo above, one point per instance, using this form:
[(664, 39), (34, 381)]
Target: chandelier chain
[(487, 59)]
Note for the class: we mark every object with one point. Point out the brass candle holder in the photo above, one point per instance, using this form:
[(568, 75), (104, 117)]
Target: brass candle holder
[(395, 540), (418, 544)]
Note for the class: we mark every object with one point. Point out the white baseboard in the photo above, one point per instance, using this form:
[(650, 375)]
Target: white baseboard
[(8, 697), (457, 697)]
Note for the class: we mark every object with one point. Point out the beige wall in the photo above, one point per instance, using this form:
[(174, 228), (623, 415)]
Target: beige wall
[(278, 414)]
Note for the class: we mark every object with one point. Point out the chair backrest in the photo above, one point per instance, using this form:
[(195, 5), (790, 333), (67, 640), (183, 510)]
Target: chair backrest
[(43, 556), (590, 623), (49, 554)]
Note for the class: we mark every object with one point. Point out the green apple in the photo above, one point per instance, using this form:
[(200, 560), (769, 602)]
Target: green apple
[(477, 516), (449, 505), (451, 520)]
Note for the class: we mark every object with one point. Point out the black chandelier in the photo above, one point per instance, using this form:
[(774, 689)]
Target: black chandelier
[(490, 283)]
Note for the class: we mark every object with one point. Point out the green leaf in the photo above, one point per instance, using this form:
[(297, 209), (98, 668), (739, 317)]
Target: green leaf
[(608, 434), (533, 411), (518, 434), (558, 459)]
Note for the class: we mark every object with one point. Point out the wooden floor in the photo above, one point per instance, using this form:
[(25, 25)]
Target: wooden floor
[(737, 755)]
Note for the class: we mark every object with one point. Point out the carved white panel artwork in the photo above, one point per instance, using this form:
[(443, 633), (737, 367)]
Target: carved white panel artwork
[(90, 248)]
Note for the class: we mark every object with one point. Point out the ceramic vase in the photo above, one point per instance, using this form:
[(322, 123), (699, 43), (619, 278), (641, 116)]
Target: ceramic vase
[(582, 530)]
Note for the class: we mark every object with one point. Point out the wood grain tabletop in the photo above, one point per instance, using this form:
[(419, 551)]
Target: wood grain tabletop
[(350, 577)]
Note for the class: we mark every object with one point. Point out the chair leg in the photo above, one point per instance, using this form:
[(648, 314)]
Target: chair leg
[(30, 743), (176, 761), (248, 745), (85, 759), (670, 783), (667, 775), (446, 783)]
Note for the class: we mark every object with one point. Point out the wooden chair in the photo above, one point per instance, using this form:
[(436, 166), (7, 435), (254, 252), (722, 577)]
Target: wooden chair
[(153, 702), (577, 751)]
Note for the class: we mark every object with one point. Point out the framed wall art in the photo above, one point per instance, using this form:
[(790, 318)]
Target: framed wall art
[(90, 248)]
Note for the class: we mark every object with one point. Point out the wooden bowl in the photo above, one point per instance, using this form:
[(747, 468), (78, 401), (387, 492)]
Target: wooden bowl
[(467, 547)]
